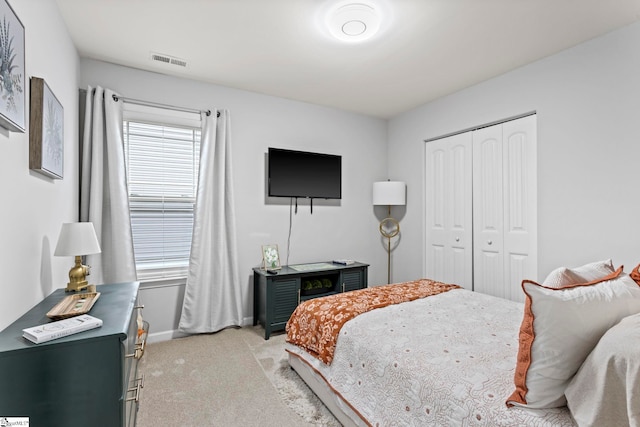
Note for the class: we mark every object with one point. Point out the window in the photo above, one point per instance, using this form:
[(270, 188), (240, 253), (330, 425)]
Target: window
[(162, 173)]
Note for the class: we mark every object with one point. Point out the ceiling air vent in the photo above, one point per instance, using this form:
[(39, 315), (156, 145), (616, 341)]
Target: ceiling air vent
[(166, 59)]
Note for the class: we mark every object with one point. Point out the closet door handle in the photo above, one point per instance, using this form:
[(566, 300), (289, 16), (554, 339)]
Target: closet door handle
[(489, 242), (457, 239)]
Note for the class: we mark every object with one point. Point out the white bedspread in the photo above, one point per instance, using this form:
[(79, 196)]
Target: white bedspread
[(445, 360)]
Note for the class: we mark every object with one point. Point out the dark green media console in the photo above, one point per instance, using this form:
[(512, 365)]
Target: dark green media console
[(276, 296)]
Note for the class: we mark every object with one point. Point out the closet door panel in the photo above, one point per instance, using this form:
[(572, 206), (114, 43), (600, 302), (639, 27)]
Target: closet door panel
[(448, 210), (488, 210), (488, 273), (461, 232), (520, 201), (435, 212), (517, 266), (436, 261)]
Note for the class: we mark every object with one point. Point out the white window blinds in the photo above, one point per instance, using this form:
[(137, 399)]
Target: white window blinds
[(162, 171)]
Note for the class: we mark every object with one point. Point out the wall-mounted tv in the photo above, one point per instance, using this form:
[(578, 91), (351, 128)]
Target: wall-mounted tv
[(304, 174)]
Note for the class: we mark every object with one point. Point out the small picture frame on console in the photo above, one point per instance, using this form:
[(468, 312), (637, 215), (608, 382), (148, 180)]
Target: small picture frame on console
[(270, 257)]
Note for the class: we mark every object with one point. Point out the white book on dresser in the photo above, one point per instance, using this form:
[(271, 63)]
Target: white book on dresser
[(61, 328)]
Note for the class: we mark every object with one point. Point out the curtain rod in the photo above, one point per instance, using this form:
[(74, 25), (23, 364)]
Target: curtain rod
[(155, 104)]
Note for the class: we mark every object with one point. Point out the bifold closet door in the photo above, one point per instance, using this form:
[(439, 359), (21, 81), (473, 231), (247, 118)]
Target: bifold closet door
[(448, 210), (505, 207)]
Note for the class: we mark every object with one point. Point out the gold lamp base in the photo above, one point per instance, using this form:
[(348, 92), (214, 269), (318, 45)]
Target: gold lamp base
[(78, 276), (392, 231)]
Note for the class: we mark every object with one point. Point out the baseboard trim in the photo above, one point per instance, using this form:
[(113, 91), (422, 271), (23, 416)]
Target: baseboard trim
[(175, 333), (165, 336)]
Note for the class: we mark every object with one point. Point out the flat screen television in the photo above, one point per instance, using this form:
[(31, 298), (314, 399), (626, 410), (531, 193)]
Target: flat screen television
[(303, 174)]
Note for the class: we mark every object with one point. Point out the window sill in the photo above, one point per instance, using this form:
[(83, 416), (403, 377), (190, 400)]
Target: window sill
[(162, 283)]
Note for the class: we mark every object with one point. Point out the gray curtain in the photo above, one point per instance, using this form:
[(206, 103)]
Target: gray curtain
[(104, 198), (213, 295)]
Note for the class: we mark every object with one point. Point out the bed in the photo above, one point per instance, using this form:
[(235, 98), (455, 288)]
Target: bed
[(451, 358)]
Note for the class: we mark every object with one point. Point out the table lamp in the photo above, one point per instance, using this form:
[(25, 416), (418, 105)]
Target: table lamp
[(389, 193), (77, 239)]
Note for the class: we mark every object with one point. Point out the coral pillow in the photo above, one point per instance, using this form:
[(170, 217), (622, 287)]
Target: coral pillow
[(560, 328), (635, 274), (564, 276)]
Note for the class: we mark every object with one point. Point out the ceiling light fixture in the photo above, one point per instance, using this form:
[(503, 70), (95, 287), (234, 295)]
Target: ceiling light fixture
[(353, 22)]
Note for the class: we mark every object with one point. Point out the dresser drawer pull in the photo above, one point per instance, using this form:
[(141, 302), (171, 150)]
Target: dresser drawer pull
[(140, 349), (139, 385), (141, 342), (138, 306)]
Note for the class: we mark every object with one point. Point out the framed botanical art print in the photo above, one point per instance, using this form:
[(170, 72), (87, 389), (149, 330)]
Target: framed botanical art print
[(270, 257), (12, 72), (46, 130)]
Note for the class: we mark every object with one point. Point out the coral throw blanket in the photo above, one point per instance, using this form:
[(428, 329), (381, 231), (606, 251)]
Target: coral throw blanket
[(316, 323)]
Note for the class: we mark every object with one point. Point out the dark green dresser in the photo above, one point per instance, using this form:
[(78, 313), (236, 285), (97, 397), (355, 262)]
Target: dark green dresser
[(276, 296), (85, 379)]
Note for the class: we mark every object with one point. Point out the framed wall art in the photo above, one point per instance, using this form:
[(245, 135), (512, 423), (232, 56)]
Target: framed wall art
[(270, 257), (12, 72), (46, 130)]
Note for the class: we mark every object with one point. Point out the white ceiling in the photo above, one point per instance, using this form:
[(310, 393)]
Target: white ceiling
[(429, 48)]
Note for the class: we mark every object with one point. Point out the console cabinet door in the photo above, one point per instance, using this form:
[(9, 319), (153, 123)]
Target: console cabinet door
[(285, 298), (352, 280)]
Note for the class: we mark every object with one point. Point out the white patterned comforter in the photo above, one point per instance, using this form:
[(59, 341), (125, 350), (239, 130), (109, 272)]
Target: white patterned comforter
[(445, 360)]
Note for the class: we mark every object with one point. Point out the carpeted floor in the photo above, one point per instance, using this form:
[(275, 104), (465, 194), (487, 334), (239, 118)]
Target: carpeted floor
[(231, 378)]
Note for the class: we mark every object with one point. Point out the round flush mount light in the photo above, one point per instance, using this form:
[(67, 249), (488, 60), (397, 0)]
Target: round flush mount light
[(353, 22)]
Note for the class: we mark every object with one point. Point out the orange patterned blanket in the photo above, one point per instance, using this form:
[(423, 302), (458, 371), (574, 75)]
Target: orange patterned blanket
[(315, 323)]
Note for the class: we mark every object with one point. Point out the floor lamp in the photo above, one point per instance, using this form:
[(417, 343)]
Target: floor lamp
[(390, 193)]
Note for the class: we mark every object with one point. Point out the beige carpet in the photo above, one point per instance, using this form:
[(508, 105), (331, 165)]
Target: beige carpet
[(231, 378)]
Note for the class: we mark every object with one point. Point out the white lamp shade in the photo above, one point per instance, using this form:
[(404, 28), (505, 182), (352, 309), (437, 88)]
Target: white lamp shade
[(389, 193), (77, 239)]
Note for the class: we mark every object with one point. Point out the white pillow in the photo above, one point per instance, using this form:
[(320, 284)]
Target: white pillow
[(604, 391), (560, 328), (564, 276)]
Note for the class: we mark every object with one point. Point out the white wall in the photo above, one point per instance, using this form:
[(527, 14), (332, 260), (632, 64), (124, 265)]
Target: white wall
[(587, 100), (34, 206), (347, 229)]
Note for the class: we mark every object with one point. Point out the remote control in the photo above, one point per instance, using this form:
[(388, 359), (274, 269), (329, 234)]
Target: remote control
[(344, 261)]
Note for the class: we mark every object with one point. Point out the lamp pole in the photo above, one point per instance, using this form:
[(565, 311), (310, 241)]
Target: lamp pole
[(391, 232)]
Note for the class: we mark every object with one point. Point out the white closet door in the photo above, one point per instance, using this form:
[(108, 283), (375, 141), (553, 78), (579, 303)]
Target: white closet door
[(488, 211), (505, 203), (448, 218), (520, 204)]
